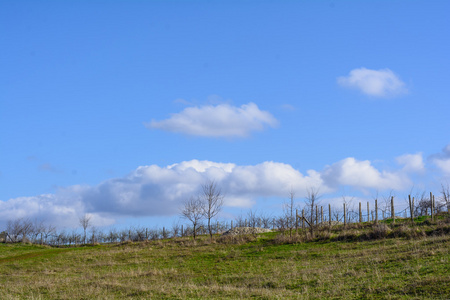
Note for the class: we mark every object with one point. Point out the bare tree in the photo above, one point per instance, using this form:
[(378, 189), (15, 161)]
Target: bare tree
[(193, 211), (212, 199), (312, 199), (289, 208), (445, 191), (85, 222), (19, 229)]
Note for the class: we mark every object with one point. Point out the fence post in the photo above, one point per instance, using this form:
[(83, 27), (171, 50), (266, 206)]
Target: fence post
[(296, 220), (368, 212), (181, 231), (231, 224), (329, 214), (360, 213), (345, 217), (376, 211), (392, 210), (321, 215)]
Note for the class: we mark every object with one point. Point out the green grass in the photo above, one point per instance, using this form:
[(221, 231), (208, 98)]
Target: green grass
[(265, 267)]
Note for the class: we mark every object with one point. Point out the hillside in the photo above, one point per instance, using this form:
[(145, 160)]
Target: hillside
[(394, 262)]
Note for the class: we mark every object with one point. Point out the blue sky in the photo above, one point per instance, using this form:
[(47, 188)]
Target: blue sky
[(122, 109)]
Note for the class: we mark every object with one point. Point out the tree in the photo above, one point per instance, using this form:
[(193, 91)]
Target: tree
[(312, 199), (446, 195), (19, 229), (193, 211), (289, 212), (212, 199), (85, 223)]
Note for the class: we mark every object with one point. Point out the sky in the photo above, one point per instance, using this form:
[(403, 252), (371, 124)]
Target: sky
[(122, 109)]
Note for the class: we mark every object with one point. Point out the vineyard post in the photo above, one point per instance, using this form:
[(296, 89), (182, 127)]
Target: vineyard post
[(360, 213), (392, 210), (368, 212), (329, 214), (376, 211), (321, 215), (410, 208), (345, 217)]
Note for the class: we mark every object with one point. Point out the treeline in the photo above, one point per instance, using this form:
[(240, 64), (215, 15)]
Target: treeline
[(292, 218)]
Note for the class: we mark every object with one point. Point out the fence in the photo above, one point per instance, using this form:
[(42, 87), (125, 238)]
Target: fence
[(311, 218)]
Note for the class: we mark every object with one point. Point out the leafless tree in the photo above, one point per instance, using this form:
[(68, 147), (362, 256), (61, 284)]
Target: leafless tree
[(85, 222), (193, 211), (422, 205), (212, 199), (176, 229), (252, 218), (348, 208), (37, 229), (312, 199), (239, 221), (289, 209), (445, 191), (19, 229), (48, 231)]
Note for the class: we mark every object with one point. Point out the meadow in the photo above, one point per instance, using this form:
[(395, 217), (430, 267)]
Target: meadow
[(360, 261)]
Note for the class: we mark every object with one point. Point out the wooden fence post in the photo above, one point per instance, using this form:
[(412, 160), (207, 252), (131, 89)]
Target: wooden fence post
[(376, 211), (392, 210), (368, 212), (329, 214), (345, 216), (360, 213), (321, 215), (182, 233)]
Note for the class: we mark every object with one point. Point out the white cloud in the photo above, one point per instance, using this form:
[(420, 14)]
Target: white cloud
[(442, 160), (362, 175), (222, 120), (159, 191), (377, 83), (412, 162)]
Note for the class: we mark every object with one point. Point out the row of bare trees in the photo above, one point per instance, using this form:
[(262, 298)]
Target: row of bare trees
[(200, 212), (204, 206)]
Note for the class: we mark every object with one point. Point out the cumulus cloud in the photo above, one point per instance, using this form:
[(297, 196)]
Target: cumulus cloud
[(159, 191), (362, 175), (442, 160), (412, 162), (222, 120), (377, 83)]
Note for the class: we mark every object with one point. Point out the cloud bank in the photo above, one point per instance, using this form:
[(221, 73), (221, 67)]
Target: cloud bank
[(159, 191), (222, 120), (377, 83), (442, 160)]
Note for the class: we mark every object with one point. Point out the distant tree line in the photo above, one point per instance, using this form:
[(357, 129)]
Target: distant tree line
[(201, 213)]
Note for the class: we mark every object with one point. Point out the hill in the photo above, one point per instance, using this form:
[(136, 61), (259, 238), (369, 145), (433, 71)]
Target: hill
[(358, 262)]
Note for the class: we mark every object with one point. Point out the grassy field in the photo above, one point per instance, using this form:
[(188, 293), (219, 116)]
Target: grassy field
[(403, 263)]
